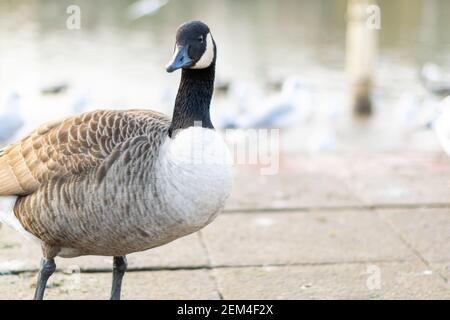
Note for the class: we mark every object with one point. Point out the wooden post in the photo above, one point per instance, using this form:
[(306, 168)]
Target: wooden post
[(363, 23)]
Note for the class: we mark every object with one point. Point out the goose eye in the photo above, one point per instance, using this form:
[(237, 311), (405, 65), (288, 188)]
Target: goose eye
[(200, 39)]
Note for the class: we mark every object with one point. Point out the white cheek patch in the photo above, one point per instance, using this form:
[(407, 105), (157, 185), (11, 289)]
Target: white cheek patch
[(208, 56)]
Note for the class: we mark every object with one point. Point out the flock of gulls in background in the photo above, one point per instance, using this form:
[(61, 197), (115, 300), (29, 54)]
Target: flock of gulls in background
[(295, 103)]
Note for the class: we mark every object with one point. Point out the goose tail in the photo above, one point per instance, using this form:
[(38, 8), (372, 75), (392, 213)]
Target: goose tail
[(8, 218)]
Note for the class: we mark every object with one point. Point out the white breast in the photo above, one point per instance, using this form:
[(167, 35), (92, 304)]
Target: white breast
[(195, 175)]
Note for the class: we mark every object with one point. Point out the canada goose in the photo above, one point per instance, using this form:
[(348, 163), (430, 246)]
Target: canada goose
[(110, 183)]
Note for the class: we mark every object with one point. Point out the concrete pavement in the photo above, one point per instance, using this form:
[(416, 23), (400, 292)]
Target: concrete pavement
[(337, 226)]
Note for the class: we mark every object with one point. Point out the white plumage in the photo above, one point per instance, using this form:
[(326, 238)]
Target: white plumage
[(442, 125), (194, 168), (291, 106), (11, 119), (208, 56), (8, 218)]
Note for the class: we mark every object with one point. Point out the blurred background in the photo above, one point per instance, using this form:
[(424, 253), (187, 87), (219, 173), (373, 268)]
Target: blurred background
[(282, 64), (356, 88)]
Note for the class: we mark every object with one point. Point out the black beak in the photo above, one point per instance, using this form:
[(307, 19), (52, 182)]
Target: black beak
[(180, 60)]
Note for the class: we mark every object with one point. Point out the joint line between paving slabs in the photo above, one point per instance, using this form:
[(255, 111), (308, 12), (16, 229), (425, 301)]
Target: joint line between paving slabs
[(370, 207), (208, 256), (208, 267), (409, 245)]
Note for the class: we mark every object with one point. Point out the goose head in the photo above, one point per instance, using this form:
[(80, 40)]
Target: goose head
[(194, 48)]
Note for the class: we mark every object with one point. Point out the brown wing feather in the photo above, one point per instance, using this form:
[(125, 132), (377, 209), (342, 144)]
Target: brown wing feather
[(69, 147)]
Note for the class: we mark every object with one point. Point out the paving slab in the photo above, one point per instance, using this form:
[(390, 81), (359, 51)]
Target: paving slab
[(180, 284), (339, 180), (302, 237), (287, 253), (443, 269), (18, 254), (302, 181), (426, 230), (380, 179), (343, 281)]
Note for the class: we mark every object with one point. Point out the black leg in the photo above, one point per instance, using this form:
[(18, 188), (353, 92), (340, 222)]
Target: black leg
[(119, 268), (48, 266)]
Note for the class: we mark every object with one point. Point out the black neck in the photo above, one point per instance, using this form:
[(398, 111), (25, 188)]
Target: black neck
[(193, 99)]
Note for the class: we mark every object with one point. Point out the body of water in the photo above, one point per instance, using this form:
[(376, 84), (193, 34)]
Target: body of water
[(114, 61)]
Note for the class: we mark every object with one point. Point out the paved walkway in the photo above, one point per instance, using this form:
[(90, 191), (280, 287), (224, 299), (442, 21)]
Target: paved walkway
[(373, 226)]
